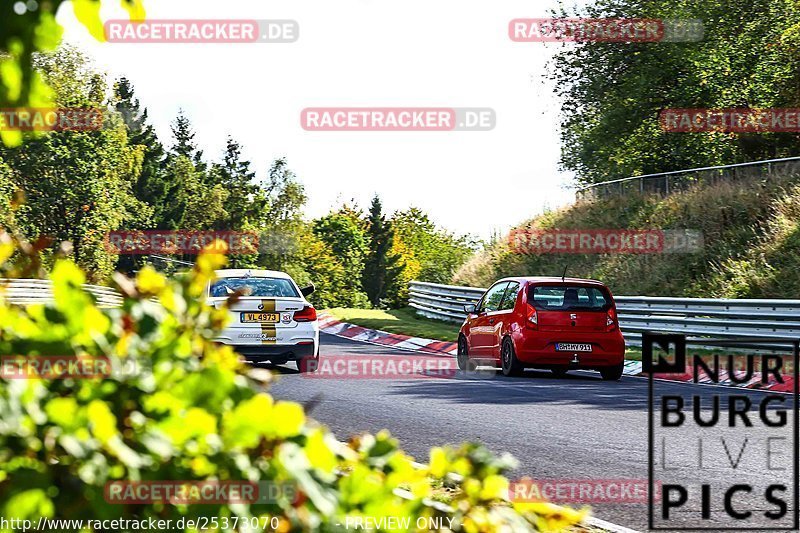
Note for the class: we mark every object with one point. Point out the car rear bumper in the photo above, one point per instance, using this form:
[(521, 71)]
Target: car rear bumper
[(608, 349), (274, 353)]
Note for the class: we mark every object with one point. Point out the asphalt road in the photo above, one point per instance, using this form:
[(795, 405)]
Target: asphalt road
[(573, 428)]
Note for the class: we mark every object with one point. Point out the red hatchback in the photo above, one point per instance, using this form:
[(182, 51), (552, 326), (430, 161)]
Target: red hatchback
[(553, 323)]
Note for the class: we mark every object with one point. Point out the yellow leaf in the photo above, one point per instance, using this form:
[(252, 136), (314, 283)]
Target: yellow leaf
[(318, 453), (135, 9), (12, 138), (102, 421), (438, 462), (6, 247), (88, 13), (148, 281), (287, 419), (494, 487)]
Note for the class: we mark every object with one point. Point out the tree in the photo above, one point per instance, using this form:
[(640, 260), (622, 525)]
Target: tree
[(25, 33), (78, 184), (245, 203), (183, 141), (381, 267), (151, 186), (344, 231), (613, 92), (439, 252)]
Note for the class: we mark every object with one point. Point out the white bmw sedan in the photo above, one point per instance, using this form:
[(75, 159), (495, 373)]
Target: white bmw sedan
[(271, 321)]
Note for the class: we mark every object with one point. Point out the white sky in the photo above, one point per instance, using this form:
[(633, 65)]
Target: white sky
[(364, 53)]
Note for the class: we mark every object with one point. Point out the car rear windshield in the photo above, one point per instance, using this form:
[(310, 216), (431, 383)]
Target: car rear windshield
[(263, 287), (569, 298)]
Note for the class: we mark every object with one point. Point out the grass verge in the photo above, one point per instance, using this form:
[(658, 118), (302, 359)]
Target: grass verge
[(403, 321)]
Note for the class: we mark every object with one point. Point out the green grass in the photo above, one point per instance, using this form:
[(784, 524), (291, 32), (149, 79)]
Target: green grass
[(404, 321)]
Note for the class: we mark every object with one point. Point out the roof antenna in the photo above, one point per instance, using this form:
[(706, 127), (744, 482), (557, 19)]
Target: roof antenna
[(564, 275)]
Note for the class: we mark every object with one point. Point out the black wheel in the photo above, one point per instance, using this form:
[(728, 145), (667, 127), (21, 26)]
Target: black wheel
[(612, 373), (308, 364), (463, 353), (560, 371), (510, 363)]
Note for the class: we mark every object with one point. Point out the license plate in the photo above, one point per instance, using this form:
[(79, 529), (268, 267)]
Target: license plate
[(260, 317), (567, 347)]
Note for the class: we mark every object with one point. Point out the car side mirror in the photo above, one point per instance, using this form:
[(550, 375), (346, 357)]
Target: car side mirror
[(469, 308), (308, 289)]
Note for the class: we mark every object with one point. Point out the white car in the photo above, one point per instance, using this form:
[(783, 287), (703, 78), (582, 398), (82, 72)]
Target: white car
[(271, 321)]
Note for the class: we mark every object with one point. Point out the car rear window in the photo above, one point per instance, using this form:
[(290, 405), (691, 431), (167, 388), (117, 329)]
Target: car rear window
[(263, 287), (569, 298)]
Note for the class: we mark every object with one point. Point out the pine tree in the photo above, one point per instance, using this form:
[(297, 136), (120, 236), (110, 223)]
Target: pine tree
[(381, 267), (151, 184), (245, 202)]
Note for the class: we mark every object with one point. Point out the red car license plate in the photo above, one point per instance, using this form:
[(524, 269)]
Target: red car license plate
[(573, 347)]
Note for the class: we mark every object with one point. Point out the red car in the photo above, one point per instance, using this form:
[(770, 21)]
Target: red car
[(552, 323)]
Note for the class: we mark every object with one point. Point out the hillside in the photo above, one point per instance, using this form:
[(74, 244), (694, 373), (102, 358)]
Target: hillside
[(751, 243)]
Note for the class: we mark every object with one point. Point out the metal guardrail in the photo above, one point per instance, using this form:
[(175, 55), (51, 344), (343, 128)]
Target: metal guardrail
[(666, 183), (696, 317), (39, 291)]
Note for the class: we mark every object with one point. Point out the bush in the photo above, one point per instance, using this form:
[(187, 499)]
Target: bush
[(192, 411)]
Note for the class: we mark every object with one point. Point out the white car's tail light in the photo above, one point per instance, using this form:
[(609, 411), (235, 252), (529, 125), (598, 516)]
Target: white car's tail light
[(306, 314)]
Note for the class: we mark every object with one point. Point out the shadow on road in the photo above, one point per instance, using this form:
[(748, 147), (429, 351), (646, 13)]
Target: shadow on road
[(533, 387)]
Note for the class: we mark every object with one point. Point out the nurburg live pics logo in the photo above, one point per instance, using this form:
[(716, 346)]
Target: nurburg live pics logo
[(725, 456)]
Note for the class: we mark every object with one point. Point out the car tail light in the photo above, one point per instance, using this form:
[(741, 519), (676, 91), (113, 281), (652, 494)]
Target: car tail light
[(533, 318), (611, 320), (306, 314)]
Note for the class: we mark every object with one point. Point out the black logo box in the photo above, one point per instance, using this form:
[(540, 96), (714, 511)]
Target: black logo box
[(649, 367)]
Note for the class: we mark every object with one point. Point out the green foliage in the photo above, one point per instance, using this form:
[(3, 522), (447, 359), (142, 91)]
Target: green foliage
[(427, 252), (151, 185), (344, 231), (246, 201), (438, 251), (381, 266), (404, 321), (22, 35), (613, 92), (78, 184), (179, 407), (750, 244)]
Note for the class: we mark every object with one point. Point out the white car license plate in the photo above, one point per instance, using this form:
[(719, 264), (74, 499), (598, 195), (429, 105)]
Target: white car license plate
[(571, 347), (263, 318)]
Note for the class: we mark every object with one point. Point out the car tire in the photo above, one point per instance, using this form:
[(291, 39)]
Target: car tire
[(508, 359), (612, 373), (307, 365), (559, 371), (462, 356)]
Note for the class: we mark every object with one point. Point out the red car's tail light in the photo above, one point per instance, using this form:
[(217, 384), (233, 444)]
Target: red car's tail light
[(611, 320), (306, 314), (533, 318)]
